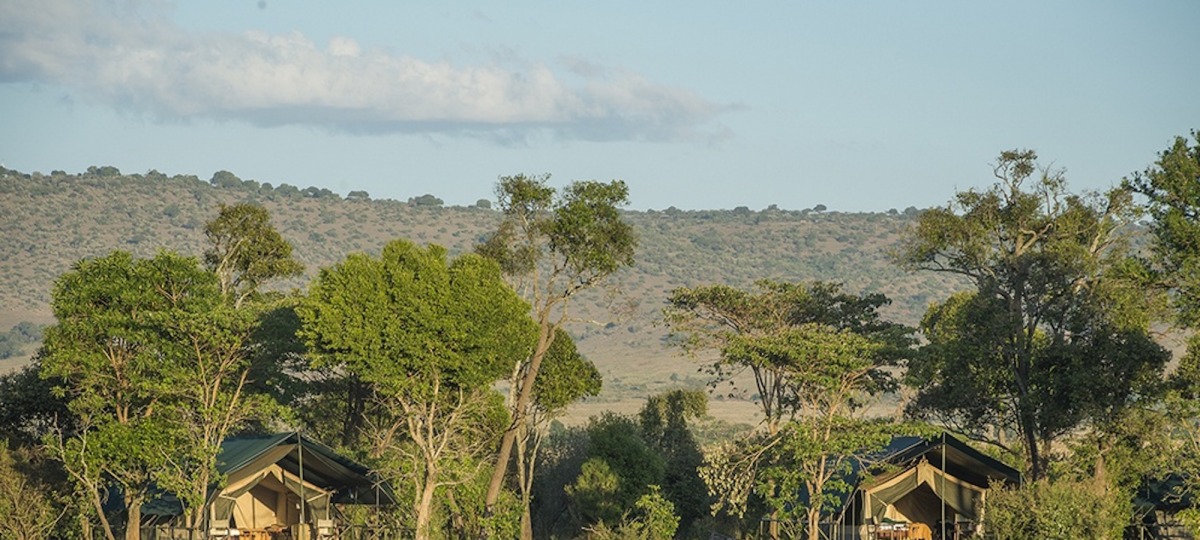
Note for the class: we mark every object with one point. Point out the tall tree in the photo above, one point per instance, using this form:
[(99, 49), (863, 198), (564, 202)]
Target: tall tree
[(430, 337), (1053, 316), (111, 349), (551, 246), (799, 468), (149, 357), (245, 250), (1171, 187)]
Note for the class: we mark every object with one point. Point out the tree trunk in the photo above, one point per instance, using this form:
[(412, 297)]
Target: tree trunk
[(424, 508), (504, 456), (1035, 454), (526, 524), (133, 525), (814, 523)]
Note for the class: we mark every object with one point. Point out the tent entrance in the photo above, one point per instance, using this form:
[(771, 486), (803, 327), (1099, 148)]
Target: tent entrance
[(923, 494), (271, 500)]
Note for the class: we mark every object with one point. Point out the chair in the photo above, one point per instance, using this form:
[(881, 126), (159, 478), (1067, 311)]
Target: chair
[(219, 528), (325, 529)]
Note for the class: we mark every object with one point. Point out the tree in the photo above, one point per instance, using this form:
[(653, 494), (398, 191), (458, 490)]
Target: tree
[(1171, 188), (621, 467), (552, 246), (27, 511), (816, 354), (1062, 510), (426, 200), (1053, 317), (29, 408), (664, 423), (105, 346), (245, 251), (225, 179), (430, 337), (758, 330)]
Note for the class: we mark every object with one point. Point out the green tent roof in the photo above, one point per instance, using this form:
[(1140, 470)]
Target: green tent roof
[(349, 481)]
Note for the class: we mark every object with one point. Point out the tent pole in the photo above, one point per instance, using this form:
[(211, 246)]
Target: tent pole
[(942, 498), (303, 500)]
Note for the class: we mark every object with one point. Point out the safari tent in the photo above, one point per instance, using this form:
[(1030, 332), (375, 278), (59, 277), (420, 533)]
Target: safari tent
[(920, 488), (277, 483)]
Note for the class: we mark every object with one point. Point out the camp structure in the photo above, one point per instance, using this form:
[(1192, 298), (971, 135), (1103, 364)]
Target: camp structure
[(278, 486), (919, 488)]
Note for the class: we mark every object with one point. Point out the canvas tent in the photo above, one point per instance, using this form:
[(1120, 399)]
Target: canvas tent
[(935, 482), (277, 482)]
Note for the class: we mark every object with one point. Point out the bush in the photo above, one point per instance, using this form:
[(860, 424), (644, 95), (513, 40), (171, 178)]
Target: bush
[(1060, 510)]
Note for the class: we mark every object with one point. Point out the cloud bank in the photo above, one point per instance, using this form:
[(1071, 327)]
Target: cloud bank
[(131, 56)]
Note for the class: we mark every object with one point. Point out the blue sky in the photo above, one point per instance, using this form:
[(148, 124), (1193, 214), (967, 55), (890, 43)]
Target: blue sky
[(861, 106)]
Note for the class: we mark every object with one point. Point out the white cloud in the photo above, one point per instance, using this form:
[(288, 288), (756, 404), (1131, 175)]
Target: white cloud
[(130, 56)]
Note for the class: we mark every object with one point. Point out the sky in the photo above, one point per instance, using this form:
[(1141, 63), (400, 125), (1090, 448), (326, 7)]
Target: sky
[(857, 105)]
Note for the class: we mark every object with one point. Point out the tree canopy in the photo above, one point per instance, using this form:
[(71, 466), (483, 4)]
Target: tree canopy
[(1053, 316)]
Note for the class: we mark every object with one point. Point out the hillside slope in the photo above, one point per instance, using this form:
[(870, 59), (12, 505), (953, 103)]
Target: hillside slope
[(47, 222)]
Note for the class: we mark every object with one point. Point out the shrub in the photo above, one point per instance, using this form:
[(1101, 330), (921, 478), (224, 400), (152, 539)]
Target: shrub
[(1059, 510)]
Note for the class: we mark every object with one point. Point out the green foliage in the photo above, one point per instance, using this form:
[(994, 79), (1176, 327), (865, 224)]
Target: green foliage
[(665, 426), (1172, 187), (29, 406), (409, 316), (565, 377), (652, 518), (620, 468), (594, 493), (246, 251), (1058, 510), (27, 511), (1054, 317)]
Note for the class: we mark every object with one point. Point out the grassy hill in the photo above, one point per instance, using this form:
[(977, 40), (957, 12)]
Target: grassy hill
[(47, 222)]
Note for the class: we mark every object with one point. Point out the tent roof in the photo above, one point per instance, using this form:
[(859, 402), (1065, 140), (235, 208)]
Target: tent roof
[(902, 453), (960, 459), (350, 481)]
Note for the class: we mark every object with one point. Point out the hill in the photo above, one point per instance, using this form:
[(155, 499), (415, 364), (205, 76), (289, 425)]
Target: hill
[(47, 222)]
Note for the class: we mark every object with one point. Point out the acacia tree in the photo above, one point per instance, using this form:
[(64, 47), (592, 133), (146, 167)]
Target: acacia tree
[(745, 325), (1054, 333), (245, 251), (800, 469), (551, 246), (430, 337), (816, 355)]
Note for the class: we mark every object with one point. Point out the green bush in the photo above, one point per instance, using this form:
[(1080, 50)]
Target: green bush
[(1058, 510)]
